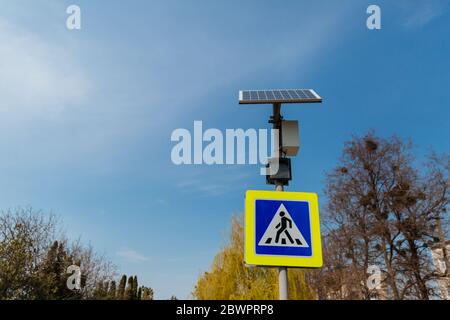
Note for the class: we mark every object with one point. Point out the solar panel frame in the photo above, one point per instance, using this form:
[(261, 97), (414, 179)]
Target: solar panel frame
[(279, 96)]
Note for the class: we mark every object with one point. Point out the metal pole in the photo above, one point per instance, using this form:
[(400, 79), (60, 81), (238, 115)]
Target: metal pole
[(283, 288), (283, 284)]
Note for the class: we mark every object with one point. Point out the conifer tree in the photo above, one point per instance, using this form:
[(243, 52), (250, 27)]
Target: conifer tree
[(135, 288), (112, 290), (129, 289), (121, 290)]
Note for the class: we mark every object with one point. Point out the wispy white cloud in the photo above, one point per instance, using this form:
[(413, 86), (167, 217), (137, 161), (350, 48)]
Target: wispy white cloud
[(204, 187), (44, 92), (79, 110), (37, 76), (418, 13), (132, 255), (215, 184)]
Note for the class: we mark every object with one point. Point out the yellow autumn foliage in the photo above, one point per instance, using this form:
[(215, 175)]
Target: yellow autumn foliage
[(229, 279)]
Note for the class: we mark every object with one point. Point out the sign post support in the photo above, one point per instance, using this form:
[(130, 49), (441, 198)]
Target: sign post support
[(273, 237), (283, 285)]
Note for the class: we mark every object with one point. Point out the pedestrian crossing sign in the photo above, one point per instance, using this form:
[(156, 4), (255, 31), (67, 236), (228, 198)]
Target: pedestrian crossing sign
[(282, 229)]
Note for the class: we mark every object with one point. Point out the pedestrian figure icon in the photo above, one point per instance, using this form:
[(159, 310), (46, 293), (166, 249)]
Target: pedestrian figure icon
[(282, 227), (282, 231)]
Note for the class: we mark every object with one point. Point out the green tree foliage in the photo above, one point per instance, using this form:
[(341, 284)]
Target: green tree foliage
[(229, 279)]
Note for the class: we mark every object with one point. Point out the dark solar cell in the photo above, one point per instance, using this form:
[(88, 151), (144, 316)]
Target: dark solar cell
[(293, 94), (301, 94), (278, 95), (309, 94), (270, 95), (262, 95), (285, 95)]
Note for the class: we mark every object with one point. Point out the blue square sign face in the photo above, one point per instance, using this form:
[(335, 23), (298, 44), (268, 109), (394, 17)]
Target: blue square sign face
[(283, 227)]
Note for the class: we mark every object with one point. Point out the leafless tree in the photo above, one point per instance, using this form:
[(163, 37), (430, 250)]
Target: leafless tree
[(382, 211)]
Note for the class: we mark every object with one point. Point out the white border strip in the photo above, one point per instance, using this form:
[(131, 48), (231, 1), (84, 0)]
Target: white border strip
[(315, 93)]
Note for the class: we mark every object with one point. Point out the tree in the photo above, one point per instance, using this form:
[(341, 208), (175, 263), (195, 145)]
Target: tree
[(128, 289), (135, 288), (139, 294), (147, 293), (100, 291), (95, 268), (122, 285), (129, 292), (382, 211), (52, 276), (25, 237), (35, 255), (112, 290), (230, 279)]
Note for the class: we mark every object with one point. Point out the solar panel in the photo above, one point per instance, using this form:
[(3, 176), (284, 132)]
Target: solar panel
[(278, 96)]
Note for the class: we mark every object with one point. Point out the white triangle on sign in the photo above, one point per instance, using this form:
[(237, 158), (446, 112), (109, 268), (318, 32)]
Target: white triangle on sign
[(283, 232)]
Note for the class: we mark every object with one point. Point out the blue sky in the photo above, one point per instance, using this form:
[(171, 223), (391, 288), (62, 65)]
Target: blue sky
[(87, 115)]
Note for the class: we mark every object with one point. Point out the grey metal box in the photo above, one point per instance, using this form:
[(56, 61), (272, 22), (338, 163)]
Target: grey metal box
[(290, 137)]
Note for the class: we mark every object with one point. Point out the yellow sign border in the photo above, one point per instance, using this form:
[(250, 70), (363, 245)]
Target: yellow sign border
[(250, 256)]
